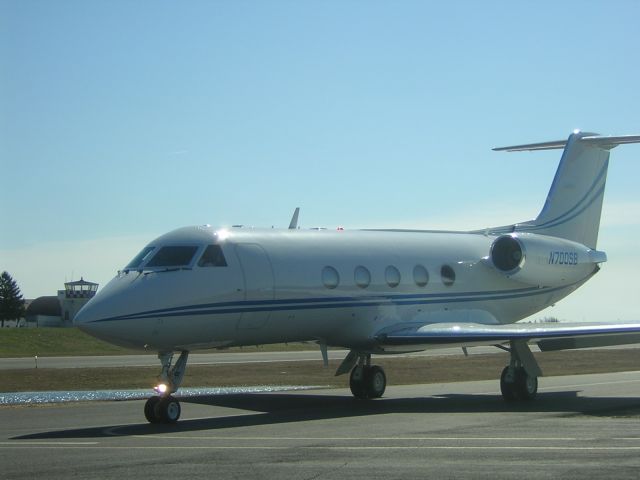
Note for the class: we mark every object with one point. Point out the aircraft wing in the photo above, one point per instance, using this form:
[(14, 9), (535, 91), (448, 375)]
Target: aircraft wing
[(548, 336)]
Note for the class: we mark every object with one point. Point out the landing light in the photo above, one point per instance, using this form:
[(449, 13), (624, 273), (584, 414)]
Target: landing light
[(161, 388)]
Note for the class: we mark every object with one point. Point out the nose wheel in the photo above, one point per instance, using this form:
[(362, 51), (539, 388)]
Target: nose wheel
[(162, 409)]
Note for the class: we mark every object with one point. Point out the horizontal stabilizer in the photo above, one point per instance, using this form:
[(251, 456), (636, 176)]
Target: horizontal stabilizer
[(610, 142), (600, 141), (533, 146)]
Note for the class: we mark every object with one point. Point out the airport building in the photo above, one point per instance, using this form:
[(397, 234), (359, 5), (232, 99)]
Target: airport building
[(60, 310)]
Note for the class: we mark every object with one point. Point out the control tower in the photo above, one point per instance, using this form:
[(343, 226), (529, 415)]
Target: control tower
[(73, 297)]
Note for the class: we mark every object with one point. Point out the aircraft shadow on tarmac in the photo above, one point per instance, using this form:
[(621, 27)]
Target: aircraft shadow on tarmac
[(280, 408)]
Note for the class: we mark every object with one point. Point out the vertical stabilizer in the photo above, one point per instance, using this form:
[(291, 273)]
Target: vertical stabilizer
[(574, 203)]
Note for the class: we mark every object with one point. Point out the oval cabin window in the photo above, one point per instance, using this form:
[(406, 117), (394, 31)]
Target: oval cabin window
[(392, 276), (448, 275), (362, 277), (330, 277), (420, 276)]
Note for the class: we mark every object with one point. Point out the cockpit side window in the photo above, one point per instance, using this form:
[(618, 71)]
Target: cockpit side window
[(212, 257), (173, 256), (141, 257)]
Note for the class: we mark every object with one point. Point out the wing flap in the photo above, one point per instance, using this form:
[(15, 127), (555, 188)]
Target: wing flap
[(571, 343), (560, 336)]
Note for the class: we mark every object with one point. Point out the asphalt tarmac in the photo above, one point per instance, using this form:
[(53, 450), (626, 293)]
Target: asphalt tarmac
[(151, 359), (585, 426)]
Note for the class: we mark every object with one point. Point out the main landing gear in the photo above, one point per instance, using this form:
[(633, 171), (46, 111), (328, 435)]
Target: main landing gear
[(519, 379), (518, 382), (366, 380), (164, 408)]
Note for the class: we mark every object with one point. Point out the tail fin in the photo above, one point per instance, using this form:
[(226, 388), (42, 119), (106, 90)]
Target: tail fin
[(574, 203)]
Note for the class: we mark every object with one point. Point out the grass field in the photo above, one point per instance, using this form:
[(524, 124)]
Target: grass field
[(400, 370), (56, 342), (52, 342)]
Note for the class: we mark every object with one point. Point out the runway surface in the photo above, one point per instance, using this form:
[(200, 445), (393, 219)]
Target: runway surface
[(585, 426), (151, 360)]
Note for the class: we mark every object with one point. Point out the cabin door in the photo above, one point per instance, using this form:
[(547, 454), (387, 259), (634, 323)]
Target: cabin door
[(258, 285)]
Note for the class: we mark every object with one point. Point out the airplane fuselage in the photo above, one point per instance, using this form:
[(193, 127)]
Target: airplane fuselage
[(340, 287)]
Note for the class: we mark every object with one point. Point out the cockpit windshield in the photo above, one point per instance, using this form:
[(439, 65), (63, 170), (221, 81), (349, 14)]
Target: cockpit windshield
[(140, 258), (212, 257), (173, 256)]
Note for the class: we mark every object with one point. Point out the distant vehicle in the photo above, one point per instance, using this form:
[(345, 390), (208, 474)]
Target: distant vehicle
[(370, 291)]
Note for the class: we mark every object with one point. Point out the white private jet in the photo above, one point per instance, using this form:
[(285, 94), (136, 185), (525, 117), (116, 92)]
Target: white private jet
[(369, 291)]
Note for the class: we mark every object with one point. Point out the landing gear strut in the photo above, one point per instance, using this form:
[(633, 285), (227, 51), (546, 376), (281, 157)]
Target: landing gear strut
[(366, 380), (164, 408), (519, 379)]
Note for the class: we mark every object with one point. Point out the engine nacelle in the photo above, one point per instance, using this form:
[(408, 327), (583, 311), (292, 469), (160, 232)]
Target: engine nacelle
[(544, 261)]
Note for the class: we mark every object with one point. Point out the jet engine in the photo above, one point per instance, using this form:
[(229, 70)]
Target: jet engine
[(542, 260)]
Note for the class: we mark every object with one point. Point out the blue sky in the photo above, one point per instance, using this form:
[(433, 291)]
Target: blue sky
[(122, 120)]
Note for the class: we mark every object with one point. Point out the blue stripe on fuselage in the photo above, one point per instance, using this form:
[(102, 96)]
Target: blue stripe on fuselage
[(247, 306)]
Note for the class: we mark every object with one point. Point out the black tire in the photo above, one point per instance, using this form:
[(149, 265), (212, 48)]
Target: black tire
[(526, 386), (151, 409), (357, 382), (375, 381), (508, 389), (169, 409)]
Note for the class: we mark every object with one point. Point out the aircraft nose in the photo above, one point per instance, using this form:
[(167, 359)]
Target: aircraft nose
[(101, 316), (84, 317), (88, 319)]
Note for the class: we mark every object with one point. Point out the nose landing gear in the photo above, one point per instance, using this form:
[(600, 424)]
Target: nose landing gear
[(165, 408)]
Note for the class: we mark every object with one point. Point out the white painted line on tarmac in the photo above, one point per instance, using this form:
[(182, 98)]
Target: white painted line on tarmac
[(554, 448), (52, 444), (371, 439)]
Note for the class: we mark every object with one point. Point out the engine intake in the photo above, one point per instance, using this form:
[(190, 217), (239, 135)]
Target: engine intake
[(543, 261), (507, 253)]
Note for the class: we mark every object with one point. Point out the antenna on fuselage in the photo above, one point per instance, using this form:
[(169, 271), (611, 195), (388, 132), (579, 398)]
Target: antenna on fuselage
[(293, 224)]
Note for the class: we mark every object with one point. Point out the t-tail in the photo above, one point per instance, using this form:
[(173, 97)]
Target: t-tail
[(574, 203)]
